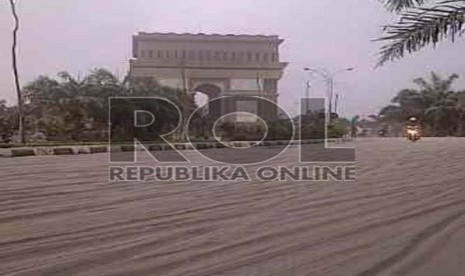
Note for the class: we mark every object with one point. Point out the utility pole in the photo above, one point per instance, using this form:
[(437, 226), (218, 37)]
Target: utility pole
[(260, 107), (307, 96), (331, 92), (329, 78), (336, 102), (22, 134), (183, 100)]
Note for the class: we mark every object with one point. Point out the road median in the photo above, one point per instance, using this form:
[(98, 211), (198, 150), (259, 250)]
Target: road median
[(95, 149)]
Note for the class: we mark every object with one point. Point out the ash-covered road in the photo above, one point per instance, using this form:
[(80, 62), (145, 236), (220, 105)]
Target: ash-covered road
[(405, 215)]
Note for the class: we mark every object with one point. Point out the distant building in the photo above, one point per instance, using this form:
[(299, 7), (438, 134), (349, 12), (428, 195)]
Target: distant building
[(215, 65)]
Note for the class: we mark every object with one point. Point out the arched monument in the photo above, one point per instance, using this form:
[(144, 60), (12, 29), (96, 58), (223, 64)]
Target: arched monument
[(213, 64)]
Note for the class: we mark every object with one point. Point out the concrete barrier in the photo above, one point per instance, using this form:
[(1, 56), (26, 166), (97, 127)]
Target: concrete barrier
[(22, 152), (180, 146), (63, 151), (115, 149), (83, 150), (267, 143), (98, 149), (125, 148), (43, 151), (156, 147), (18, 152), (219, 145), (200, 146), (210, 145)]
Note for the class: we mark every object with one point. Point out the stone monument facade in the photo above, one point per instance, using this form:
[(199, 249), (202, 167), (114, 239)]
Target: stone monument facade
[(213, 64)]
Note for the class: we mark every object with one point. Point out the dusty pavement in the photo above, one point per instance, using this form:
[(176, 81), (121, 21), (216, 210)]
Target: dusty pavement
[(405, 215)]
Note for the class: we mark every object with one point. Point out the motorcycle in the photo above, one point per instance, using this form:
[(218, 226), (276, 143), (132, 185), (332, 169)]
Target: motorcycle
[(413, 133)]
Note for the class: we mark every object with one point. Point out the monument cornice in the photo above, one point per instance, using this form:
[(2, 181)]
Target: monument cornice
[(201, 37), (137, 63)]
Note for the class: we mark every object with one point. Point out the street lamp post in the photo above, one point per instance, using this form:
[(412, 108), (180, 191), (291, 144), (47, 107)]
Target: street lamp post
[(329, 78), (307, 95)]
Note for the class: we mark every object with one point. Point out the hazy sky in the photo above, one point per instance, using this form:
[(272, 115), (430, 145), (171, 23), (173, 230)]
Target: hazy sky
[(71, 35)]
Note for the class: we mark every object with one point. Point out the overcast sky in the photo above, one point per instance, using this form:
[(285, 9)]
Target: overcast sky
[(71, 35)]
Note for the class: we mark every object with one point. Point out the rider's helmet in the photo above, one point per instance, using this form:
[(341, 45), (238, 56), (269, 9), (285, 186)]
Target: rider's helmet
[(412, 121)]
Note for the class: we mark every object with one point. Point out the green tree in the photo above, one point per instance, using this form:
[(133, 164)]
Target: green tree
[(77, 109), (434, 102), (461, 113), (392, 113), (7, 120)]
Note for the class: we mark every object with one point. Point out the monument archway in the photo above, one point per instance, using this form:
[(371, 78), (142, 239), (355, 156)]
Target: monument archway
[(239, 65), (212, 92)]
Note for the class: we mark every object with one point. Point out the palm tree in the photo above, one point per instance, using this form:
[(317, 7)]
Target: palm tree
[(411, 101), (440, 102), (441, 114), (434, 102), (421, 25)]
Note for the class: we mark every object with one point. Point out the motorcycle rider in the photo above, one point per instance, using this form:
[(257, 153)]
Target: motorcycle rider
[(412, 124)]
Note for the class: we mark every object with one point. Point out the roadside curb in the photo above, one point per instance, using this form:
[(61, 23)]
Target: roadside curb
[(75, 150)]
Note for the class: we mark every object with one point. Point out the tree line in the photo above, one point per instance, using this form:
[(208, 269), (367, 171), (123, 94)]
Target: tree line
[(73, 109), (67, 108), (439, 108)]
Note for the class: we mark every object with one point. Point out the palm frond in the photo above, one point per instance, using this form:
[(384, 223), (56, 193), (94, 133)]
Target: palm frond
[(399, 5), (421, 27)]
